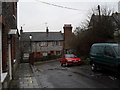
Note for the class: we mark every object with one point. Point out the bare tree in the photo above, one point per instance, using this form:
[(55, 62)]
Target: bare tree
[(99, 28)]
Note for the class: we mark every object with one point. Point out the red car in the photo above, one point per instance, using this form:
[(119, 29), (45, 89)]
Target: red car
[(70, 59)]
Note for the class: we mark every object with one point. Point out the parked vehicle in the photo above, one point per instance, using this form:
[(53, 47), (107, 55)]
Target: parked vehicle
[(105, 55), (70, 59)]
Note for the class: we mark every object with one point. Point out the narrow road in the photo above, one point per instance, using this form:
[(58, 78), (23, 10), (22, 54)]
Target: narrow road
[(52, 75)]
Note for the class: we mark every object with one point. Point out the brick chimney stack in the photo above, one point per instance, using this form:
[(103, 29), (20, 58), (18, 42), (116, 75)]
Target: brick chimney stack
[(67, 34)]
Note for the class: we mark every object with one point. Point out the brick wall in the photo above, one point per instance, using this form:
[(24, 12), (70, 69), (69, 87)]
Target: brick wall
[(9, 14), (9, 21), (4, 48)]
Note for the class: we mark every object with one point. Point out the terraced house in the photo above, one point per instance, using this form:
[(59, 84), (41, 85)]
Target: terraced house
[(44, 43)]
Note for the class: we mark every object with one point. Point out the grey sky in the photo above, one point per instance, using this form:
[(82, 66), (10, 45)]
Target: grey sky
[(32, 14)]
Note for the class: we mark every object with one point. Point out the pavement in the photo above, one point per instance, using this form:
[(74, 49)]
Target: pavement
[(24, 77)]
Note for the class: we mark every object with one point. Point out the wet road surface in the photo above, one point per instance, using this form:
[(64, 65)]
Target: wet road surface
[(52, 75)]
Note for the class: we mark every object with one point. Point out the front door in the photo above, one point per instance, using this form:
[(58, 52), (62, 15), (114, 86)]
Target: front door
[(52, 53)]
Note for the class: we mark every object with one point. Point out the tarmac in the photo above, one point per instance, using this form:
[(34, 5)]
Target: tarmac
[(24, 77)]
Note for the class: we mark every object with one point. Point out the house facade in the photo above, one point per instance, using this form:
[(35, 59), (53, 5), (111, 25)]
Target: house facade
[(44, 43), (9, 38)]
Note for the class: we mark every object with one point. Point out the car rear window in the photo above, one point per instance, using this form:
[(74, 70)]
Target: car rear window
[(70, 56)]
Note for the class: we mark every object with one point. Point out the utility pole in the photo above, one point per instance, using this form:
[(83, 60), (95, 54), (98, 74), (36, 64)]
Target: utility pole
[(99, 9), (99, 12)]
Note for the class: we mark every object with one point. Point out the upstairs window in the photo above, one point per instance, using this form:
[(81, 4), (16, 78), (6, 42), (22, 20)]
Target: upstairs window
[(43, 44), (57, 43)]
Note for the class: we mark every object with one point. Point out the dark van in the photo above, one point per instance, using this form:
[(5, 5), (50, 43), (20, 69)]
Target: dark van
[(105, 55)]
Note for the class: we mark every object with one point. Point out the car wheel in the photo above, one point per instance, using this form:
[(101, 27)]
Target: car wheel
[(93, 67), (61, 64), (66, 64)]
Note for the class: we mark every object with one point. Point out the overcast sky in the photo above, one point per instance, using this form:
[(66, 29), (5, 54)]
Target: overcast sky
[(35, 15)]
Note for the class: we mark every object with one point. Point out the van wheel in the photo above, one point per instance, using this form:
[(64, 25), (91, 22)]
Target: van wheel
[(93, 67)]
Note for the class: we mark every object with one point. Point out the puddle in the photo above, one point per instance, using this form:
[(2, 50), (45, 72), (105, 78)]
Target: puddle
[(70, 75), (112, 78), (38, 70), (58, 69)]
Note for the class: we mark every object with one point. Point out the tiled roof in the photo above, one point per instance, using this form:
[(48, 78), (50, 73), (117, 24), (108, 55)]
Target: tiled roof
[(42, 36)]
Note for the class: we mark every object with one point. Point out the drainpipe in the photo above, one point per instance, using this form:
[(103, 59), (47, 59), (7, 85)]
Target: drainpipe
[(10, 33), (0, 55), (9, 58)]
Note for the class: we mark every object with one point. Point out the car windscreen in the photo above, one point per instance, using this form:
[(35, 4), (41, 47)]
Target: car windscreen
[(70, 56), (117, 49)]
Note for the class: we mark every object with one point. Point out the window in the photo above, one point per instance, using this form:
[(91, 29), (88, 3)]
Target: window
[(57, 43), (117, 49), (70, 56), (97, 49), (43, 44), (57, 52), (108, 51), (52, 43)]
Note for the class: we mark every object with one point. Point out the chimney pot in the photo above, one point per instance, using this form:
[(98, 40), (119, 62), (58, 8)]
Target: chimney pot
[(47, 30), (21, 30)]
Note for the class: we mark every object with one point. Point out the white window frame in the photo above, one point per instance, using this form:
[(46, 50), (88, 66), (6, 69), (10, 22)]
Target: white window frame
[(43, 44), (57, 43)]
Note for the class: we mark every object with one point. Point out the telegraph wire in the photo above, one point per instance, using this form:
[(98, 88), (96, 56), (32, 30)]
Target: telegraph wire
[(58, 5)]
